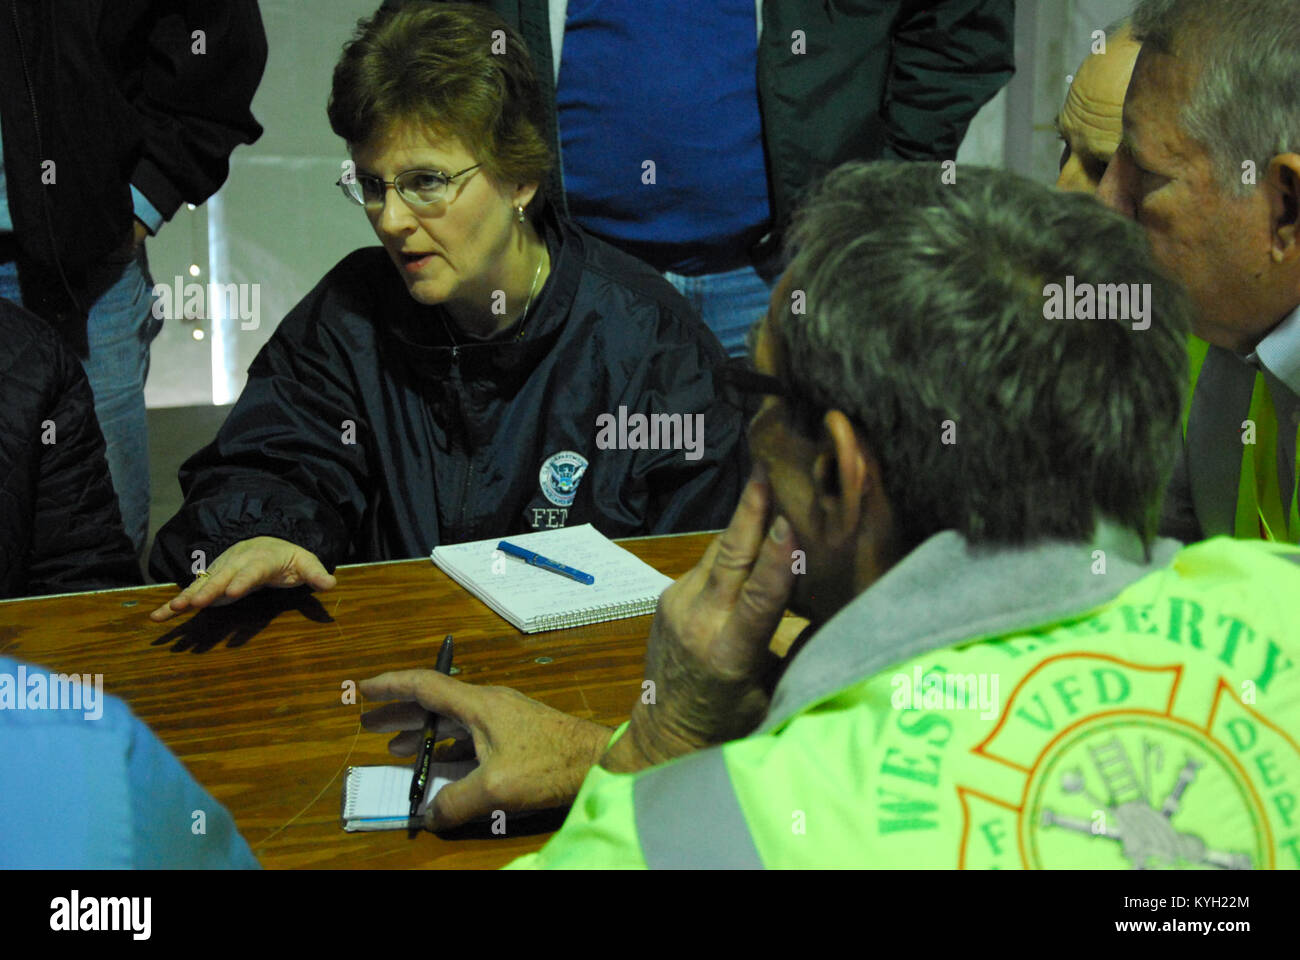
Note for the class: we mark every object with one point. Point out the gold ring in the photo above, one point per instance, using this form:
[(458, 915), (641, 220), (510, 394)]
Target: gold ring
[(201, 573)]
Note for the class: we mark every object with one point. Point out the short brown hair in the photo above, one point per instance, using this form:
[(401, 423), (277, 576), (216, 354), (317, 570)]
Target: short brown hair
[(445, 67)]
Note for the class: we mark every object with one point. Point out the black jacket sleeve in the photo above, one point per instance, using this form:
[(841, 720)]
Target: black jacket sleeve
[(191, 85), (78, 542), (289, 462), (949, 59)]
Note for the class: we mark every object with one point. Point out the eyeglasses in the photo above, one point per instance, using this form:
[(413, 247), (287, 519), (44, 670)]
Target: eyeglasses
[(740, 382), (741, 386), (419, 188)]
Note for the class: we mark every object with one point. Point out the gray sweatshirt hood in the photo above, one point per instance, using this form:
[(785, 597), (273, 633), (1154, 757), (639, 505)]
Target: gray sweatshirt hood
[(947, 591)]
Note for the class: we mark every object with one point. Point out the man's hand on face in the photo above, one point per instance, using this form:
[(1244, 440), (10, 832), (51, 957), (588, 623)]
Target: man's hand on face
[(708, 651), (531, 757)]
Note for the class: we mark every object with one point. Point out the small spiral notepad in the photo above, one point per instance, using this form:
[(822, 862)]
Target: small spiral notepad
[(377, 798), (535, 600)]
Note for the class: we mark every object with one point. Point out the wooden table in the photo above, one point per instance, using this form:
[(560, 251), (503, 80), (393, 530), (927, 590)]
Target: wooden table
[(251, 696)]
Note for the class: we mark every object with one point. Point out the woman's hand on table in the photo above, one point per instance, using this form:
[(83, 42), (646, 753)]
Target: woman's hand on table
[(247, 566), (531, 757)]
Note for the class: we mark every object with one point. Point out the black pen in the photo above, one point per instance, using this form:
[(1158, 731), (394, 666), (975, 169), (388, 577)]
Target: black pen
[(421, 775)]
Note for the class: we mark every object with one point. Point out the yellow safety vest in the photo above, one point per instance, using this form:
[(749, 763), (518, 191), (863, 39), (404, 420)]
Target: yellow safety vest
[(1159, 729)]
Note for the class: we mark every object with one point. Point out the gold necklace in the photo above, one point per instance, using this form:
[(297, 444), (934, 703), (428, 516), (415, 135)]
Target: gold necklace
[(519, 335)]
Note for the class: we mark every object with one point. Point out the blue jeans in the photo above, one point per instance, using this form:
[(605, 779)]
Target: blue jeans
[(120, 329), (729, 303)]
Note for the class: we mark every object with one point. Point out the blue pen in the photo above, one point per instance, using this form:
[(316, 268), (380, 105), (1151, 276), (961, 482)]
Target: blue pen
[(537, 560)]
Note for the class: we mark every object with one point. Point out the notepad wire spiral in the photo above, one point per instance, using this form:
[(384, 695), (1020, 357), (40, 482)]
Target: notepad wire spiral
[(596, 614)]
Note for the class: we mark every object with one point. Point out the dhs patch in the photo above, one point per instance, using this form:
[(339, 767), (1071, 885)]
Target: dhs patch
[(560, 475)]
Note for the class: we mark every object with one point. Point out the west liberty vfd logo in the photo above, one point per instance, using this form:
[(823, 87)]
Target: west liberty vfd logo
[(1123, 781)]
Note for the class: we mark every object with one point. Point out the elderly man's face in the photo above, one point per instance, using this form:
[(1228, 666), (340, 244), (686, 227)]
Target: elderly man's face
[(1092, 119), (1218, 244)]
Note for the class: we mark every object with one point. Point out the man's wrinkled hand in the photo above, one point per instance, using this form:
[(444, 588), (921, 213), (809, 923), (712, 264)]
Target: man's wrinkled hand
[(247, 566), (531, 757), (708, 652)]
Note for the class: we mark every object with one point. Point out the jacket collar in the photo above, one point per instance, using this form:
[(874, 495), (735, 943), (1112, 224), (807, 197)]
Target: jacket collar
[(947, 592), (1279, 352)]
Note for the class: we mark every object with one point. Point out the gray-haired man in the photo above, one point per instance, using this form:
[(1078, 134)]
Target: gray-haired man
[(1209, 165)]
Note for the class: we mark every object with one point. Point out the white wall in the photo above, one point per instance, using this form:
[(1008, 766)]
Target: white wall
[(279, 221)]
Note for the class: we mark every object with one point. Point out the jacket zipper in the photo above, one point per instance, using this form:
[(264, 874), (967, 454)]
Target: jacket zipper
[(464, 493), (463, 429)]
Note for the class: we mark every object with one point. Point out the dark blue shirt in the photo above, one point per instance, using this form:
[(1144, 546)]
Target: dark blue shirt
[(674, 83)]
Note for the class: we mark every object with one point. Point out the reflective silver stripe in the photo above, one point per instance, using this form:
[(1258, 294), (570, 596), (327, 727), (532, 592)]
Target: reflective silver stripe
[(688, 817), (1214, 452)]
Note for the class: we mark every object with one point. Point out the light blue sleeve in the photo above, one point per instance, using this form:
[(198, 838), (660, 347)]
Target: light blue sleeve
[(145, 212), (99, 790), (6, 221), (176, 824)]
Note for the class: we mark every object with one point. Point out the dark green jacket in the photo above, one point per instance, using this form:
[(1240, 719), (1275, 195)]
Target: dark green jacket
[(866, 80)]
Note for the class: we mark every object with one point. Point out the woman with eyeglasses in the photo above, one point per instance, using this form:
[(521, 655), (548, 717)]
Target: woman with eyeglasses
[(459, 382)]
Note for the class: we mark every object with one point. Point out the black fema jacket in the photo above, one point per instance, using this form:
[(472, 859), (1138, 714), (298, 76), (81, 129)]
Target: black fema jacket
[(360, 437), (60, 528), (880, 80), (114, 93)]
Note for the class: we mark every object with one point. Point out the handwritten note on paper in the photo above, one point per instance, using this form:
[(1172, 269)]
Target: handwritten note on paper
[(533, 598)]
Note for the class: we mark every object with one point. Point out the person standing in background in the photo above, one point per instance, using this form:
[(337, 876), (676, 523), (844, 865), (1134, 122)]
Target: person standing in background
[(111, 116), (687, 131)]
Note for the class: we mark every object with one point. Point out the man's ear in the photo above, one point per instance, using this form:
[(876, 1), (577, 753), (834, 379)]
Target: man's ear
[(1284, 206), (841, 472)]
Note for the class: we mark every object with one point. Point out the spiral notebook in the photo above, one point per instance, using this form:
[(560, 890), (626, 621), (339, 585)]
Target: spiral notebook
[(534, 599), (377, 798)]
